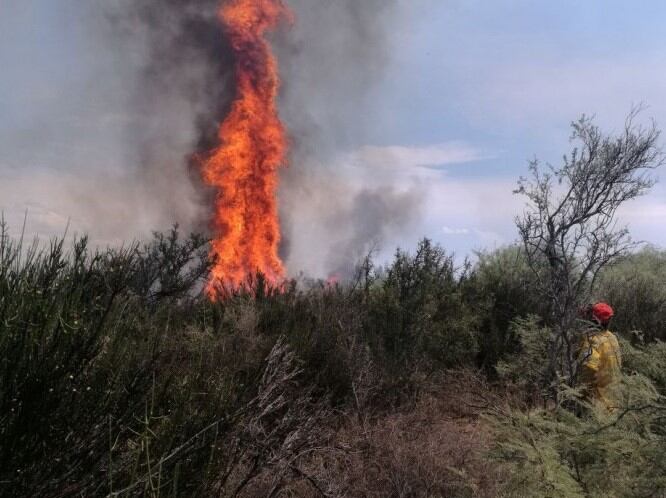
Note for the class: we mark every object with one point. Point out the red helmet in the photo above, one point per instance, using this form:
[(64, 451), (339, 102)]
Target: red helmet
[(602, 312)]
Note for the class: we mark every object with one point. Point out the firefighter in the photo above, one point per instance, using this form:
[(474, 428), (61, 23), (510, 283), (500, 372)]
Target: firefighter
[(600, 358)]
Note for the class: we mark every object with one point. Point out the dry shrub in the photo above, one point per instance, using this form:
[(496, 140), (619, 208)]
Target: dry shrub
[(436, 447), (272, 432)]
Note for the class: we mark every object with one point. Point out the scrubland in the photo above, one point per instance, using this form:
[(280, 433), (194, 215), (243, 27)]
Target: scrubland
[(420, 378)]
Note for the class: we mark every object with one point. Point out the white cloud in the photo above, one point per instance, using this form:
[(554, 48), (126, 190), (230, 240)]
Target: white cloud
[(481, 236), (399, 156), (646, 217), (455, 231)]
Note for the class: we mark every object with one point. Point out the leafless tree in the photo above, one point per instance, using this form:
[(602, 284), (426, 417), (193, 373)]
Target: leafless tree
[(569, 227)]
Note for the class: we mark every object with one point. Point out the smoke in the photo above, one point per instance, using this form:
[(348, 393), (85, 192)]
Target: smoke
[(157, 82), (335, 208), (108, 114), (187, 59), (185, 85), (369, 221), (332, 60)]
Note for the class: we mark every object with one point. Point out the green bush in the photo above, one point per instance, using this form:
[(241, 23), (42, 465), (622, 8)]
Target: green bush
[(636, 288), (91, 348), (504, 289), (525, 369), (119, 378), (587, 452), (418, 311), (119, 374)]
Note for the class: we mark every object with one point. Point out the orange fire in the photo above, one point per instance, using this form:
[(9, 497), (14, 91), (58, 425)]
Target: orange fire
[(253, 146)]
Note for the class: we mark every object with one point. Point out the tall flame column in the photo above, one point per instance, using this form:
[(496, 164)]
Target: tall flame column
[(253, 145)]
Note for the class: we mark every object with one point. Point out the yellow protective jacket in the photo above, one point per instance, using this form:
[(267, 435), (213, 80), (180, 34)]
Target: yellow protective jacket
[(600, 363)]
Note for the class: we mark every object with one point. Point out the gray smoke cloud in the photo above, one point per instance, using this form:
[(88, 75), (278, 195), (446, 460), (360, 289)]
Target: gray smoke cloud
[(112, 151), (368, 221), (333, 212), (103, 140), (185, 85)]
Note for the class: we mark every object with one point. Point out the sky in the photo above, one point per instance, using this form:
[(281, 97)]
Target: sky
[(467, 93)]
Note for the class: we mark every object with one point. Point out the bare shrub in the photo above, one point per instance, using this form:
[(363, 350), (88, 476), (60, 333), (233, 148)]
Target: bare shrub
[(428, 449), (272, 431)]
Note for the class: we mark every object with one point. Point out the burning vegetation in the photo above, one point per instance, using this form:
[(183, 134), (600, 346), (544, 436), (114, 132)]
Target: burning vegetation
[(244, 167)]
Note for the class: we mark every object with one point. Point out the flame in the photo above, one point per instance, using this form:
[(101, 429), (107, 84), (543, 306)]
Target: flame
[(253, 145), (333, 280)]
